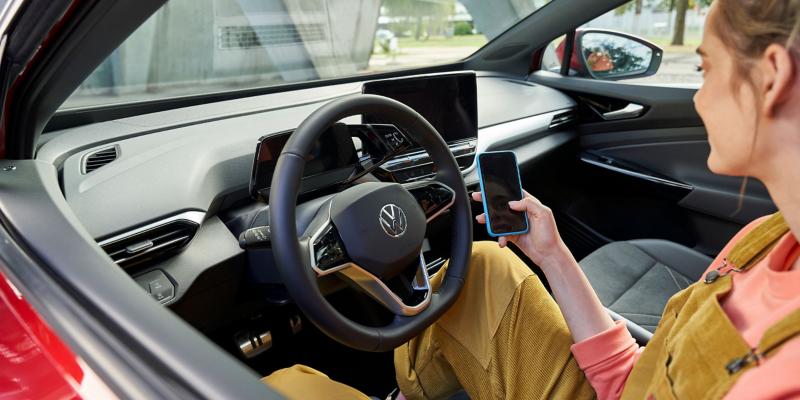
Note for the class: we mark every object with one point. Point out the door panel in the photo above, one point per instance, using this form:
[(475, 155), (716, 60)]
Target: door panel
[(595, 204), (713, 194)]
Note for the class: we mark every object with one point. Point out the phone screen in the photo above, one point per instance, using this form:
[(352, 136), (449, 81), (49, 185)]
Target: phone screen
[(500, 178)]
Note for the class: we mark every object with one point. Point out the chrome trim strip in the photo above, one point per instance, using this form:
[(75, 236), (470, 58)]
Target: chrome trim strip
[(492, 137), (382, 294), (632, 110), (435, 264), (428, 183), (196, 217), (638, 175), (152, 249), (428, 163)]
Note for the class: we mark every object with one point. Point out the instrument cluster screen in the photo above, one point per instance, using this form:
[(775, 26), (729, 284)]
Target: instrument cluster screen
[(334, 153)]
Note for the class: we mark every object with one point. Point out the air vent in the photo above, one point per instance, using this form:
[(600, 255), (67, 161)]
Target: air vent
[(99, 158), (151, 243), (245, 37), (561, 120)]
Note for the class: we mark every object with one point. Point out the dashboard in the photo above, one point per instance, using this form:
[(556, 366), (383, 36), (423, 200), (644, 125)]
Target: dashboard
[(448, 101), (186, 176)]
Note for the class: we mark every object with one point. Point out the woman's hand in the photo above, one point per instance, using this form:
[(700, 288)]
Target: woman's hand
[(542, 243), (579, 304)]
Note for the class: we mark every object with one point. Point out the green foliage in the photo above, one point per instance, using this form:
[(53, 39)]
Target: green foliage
[(418, 16), (665, 5), (624, 8), (462, 28)]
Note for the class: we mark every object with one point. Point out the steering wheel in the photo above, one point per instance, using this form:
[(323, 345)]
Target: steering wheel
[(380, 227)]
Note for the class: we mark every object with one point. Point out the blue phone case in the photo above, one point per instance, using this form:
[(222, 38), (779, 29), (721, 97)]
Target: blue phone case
[(483, 193)]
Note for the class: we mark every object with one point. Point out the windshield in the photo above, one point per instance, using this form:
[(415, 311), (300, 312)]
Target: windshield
[(192, 47)]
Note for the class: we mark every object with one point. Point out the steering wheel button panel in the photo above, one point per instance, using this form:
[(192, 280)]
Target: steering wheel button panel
[(328, 250), (433, 196)]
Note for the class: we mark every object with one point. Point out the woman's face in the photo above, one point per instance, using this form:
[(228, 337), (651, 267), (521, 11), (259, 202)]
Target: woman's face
[(728, 111)]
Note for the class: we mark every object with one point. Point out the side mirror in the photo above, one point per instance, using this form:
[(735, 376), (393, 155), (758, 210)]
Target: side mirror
[(611, 55)]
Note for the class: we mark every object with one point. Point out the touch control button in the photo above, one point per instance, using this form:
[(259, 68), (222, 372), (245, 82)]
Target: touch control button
[(161, 289), (157, 284)]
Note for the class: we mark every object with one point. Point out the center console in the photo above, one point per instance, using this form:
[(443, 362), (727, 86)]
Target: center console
[(417, 165)]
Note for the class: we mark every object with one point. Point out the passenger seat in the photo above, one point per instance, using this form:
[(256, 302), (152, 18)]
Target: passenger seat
[(635, 279)]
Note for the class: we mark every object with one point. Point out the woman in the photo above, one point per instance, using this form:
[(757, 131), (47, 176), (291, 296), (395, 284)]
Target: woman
[(735, 335)]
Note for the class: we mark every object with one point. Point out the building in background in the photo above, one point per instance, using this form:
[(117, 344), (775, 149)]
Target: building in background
[(231, 43)]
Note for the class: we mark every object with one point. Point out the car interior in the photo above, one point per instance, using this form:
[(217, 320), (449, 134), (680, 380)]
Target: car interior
[(198, 243)]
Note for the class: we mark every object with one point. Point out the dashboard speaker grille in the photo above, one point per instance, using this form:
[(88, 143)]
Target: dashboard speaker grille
[(99, 158), (151, 244)]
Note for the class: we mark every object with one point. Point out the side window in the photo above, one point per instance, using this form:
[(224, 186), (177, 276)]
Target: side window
[(676, 26)]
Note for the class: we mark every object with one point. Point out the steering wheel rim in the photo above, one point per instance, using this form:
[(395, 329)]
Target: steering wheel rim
[(291, 258)]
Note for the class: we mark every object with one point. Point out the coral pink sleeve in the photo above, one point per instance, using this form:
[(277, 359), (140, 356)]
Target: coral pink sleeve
[(607, 359)]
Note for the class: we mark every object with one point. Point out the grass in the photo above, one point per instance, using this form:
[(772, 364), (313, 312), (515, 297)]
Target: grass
[(442, 41)]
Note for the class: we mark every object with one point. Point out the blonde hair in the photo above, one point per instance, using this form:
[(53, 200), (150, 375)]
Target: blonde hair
[(747, 28)]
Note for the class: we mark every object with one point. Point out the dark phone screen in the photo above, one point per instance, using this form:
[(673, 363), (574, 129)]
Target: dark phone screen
[(501, 185), (449, 102), (333, 150)]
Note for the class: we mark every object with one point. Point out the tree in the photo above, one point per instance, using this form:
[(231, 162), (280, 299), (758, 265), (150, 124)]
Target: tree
[(680, 18), (680, 22), (418, 15), (638, 7)]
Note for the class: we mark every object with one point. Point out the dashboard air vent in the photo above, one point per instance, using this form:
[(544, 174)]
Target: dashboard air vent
[(560, 120), (151, 243), (99, 158)]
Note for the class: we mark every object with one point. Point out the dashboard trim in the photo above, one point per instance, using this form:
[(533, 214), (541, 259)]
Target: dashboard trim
[(195, 217)]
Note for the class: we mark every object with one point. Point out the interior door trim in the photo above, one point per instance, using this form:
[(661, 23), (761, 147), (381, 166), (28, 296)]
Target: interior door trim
[(597, 161)]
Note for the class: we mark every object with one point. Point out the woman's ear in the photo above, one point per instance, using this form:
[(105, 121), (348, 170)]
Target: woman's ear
[(778, 78)]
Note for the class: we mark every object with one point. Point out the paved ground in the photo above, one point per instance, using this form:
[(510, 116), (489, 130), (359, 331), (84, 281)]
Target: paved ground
[(411, 57), (676, 68)]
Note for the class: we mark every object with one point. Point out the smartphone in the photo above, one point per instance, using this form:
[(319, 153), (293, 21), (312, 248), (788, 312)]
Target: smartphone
[(500, 183)]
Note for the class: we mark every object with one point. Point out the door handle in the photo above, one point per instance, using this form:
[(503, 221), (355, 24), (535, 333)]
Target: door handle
[(632, 110)]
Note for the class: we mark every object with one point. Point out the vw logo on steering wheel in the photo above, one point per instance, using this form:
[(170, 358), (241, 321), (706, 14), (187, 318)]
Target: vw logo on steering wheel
[(393, 220)]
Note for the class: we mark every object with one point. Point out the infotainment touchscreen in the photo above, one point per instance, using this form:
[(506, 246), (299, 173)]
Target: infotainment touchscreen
[(448, 101), (334, 152)]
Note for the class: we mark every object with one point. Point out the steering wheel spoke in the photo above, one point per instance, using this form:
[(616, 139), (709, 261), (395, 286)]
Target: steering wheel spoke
[(405, 294), (433, 196), (326, 252)]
